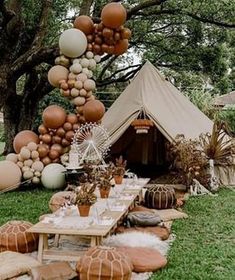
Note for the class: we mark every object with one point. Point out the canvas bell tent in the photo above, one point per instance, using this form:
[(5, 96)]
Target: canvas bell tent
[(151, 95)]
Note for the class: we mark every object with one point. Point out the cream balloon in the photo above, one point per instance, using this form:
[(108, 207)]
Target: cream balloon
[(56, 74), (73, 42), (89, 85), (25, 153), (79, 101), (92, 64), (12, 157), (53, 176), (74, 92), (38, 166), (85, 62), (32, 146), (89, 54), (97, 58), (76, 68), (82, 77), (10, 175)]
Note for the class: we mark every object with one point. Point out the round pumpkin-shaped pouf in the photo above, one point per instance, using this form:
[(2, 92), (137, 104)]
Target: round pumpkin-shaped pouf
[(13, 237), (159, 197), (104, 263)]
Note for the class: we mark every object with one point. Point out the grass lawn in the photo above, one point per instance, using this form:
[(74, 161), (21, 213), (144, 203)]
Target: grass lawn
[(1, 149), (204, 248)]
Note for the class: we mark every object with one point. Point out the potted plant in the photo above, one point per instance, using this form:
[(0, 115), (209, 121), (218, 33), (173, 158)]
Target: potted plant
[(119, 170), (84, 198), (103, 181)]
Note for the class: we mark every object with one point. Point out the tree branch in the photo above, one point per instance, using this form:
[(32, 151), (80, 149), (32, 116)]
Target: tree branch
[(42, 26), (143, 5), (7, 14), (33, 58), (108, 64), (85, 7)]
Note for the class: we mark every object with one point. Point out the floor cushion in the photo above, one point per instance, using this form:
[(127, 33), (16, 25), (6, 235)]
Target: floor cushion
[(13, 264), (58, 271), (14, 237), (104, 263), (160, 231), (59, 199), (140, 208), (144, 259), (170, 214)]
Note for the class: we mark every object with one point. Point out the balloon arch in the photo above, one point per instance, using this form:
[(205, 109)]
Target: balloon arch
[(37, 158)]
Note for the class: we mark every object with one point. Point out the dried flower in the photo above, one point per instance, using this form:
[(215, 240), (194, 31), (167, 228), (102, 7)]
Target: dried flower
[(84, 195)]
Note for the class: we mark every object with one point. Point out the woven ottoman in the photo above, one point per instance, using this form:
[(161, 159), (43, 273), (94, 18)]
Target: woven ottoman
[(104, 263), (13, 237)]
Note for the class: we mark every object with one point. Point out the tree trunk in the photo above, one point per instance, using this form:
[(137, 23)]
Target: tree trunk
[(85, 7)]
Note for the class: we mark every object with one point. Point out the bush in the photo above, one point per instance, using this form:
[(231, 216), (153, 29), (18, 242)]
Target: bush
[(228, 115), (2, 133)]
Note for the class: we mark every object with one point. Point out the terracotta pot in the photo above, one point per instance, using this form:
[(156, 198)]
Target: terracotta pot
[(84, 210), (104, 193), (118, 179)]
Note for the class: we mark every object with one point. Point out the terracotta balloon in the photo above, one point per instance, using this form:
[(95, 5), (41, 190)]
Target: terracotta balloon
[(46, 160), (57, 147), (60, 132), (46, 138), (23, 138), (65, 142), (121, 47), (42, 129), (113, 15), (85, 24), (126, 33), (43, 150), (53, 154), (72, 118), (69, 135), (93, 110), (56, 139), (53, 116), (10, 174), (56, 74), (107, 32), (67, 126)]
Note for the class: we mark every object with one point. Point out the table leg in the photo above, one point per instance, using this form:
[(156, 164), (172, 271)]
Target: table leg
[(40, 246), (45, 241), (93, 241)]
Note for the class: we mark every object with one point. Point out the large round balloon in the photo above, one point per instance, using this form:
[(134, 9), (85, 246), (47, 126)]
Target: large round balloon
[(113, 15), (53, 176), (53, 116), (93, 110), (10, 175), (73, 42), (56, 74), (85, 24), (23, 138)]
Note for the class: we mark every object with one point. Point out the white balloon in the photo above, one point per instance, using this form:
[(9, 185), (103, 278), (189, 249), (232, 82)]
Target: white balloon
[(90, 74), (53, 176), (73, 42), (92, 64), (85, 62), (89, 54), (76, 68), (97, 58), (85, 71)]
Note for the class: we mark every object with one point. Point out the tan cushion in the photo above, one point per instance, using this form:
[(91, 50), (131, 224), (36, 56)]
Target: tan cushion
[(53, 271), (160, 231), (104, 263), (13, 264), (14, 237), (59, 199), (141, 208), (170, 214), (144, 259)]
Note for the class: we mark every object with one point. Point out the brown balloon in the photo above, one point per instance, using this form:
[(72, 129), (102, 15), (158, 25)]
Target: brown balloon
[(56, 139), (105, 48), (69, 135), (53, 116), (43, 150), (98, 40), (65, 142), (85, 24), (72, 118), (57, 147), (107, 32), (96, 49), (46, 138), (67, 126), (100, 26), (23, 138), (126, 33), (89, 47), (42, 129), (93, 110), (117, 36), (57, 160), (76, 126), (110, 49), (60, 132), (90, 38), (113, 15), (53, 154), (46, 160), (121, 47)]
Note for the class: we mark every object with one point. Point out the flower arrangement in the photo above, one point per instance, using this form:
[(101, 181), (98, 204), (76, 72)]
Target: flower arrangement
[(103, 178), (120, 166), (84, 195)]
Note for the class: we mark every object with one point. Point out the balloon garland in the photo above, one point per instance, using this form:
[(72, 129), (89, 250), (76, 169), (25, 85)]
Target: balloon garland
[(81, 48)]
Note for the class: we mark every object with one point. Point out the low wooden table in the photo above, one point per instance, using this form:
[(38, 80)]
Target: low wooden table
[(94, 232)]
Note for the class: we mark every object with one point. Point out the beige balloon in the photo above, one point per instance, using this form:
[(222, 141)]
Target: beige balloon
[(12, 157), (72, 76), (89, 54), (74, 92), (76, 68), (56, 74), (73, 42), (25, 168), (28, 175), (89, 85), (32, 146), (20, 164), (28, 162), (34, 155), (79, 101), (35, 180), (25, 153), (83, 92), (85, 62), (37, 173), (82, 77), (10, 175), (38, 166), (78, 84)]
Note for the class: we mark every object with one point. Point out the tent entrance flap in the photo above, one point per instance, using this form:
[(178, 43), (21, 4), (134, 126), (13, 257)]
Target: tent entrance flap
[(145, 149)]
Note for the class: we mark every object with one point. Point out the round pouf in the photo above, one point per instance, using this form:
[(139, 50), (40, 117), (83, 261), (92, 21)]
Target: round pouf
[(104, 263), (53, 176), (59, 199), (159, 197), (13, 237)]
